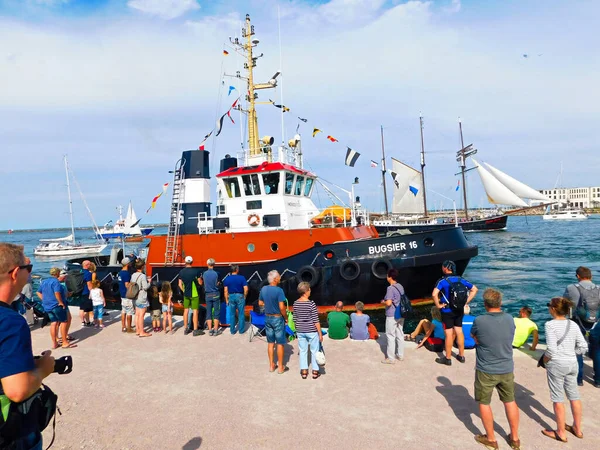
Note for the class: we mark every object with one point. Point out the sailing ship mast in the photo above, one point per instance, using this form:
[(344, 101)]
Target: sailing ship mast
[(423, 167), (383, 173), (70, 201), (461, 157)]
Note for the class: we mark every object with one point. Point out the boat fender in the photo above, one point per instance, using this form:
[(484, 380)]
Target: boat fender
[(114, 288), (308, 274), (350, 270), (253, 220), (380, 268)]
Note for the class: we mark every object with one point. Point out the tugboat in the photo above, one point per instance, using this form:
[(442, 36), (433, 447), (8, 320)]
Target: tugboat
[(263, 222)]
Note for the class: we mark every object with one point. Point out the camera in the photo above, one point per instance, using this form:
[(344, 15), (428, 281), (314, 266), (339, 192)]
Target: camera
[(62, 365)]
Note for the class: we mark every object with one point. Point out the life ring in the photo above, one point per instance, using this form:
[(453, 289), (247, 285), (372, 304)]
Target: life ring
[(308, 274), (253, 220), (380, 268), (350, 270)]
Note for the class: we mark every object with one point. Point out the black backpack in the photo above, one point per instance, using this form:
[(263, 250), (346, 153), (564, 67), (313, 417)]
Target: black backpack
[(458, 294), (589, 303)]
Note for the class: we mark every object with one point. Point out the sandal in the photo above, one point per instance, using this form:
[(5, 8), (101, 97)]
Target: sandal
[(315, 374), (69, 346), (553, 434), (483, 440), (304, 374), (285, 369), (409, 338), (571, 429)]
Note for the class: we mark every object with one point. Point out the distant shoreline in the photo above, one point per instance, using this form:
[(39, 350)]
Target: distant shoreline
[(34, 230)]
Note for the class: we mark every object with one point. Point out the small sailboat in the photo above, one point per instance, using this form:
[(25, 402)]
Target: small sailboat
[(126, 228), (67, 246)]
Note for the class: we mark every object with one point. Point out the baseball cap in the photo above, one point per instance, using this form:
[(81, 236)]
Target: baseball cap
[(450, 265), (125, 261), (189, 259)]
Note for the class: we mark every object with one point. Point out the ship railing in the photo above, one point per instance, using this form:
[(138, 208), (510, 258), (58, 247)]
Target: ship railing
[(281, 154)]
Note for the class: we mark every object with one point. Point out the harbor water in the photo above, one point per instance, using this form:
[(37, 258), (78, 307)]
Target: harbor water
[(530, 263)]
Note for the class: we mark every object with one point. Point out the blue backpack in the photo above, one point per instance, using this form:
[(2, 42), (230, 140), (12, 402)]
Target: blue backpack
[(404, 306)]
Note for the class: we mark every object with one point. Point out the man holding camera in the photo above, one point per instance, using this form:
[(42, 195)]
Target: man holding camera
[(20, 374)]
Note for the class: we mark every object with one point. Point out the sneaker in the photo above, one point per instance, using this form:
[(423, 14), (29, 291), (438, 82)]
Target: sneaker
[(597, 385), (580, 383), (211, 332), (187, 331), (399, 358), (461, 359), (198, 332), (387, 361), (445, 361)]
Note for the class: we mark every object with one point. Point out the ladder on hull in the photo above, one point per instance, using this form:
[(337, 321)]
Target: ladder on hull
[(173, 248)]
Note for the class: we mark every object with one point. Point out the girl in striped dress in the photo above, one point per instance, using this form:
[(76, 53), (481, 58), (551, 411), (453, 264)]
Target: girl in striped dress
[(308, 330), (564, 342)]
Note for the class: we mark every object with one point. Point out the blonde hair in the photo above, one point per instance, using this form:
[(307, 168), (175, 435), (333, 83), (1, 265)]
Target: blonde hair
[(435, 314), (96, 283), (165, 291), (11, 256), (92, 267)]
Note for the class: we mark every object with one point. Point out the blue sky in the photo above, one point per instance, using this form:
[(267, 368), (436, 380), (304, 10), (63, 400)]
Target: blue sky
[(123, 87)]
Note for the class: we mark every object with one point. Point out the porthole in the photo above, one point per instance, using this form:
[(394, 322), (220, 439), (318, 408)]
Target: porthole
[(329, 254), (274, 247), (251, 248), (428, 242)]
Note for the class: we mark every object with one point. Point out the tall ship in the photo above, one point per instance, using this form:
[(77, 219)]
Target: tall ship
[(264, 221)]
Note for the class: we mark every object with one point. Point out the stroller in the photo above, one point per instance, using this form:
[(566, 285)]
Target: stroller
[(23, 304)]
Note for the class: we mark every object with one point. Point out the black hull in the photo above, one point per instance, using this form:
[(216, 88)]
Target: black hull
[(348, 271), (495, 223)]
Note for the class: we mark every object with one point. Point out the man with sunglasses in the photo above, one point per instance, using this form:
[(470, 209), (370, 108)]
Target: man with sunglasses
[(20, 374)]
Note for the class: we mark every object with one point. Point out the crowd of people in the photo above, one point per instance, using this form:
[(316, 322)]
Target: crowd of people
[(495, 334)]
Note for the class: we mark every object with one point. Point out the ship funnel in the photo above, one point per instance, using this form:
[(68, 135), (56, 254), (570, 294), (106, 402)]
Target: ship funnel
[(268, 140)]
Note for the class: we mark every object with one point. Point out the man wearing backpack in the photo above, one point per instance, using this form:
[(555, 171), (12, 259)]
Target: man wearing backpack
[(451, 294), (585, 295)]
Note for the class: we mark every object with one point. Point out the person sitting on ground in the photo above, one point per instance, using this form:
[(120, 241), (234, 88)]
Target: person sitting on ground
[(338, 323), (98, 302), (359, 330), (562, 367), (166, 300), (428, 328), (524, 328)]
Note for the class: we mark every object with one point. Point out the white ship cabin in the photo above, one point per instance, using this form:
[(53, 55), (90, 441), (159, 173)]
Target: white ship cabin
[(270, 195)]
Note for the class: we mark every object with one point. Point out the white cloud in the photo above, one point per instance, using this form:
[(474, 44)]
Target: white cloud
[(454, 6), (165, 9)]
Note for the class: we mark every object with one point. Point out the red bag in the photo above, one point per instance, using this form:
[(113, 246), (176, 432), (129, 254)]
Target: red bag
[(373, 334), (434, 344)]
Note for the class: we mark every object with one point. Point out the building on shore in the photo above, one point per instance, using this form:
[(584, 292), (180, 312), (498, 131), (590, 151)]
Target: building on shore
[(579, 197)]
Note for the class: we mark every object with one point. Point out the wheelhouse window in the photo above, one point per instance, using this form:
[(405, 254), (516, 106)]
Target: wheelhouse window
[(233, 187), (289, 182), (251, 184), (299, 184), (254, 204), (308, 186), (271, 182)]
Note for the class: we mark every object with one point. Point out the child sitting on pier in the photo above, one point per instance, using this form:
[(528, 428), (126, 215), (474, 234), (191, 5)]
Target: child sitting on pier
[(166, 300)]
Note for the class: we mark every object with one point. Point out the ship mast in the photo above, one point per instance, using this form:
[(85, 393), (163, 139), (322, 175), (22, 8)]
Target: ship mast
[(423, 166), (383, 173), (461, 157), (247, 46)]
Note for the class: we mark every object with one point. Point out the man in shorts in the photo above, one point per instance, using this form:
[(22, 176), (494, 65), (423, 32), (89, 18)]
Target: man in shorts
[(189, 283), (127, 308), (452, 320), (494, 332), (85, 303), (272, 298), (54, 301)]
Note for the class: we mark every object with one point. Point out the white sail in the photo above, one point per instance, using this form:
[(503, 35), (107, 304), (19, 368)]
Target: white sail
[(131, 219), (62, 239), (497, 193), (405, 201), (521, 189)]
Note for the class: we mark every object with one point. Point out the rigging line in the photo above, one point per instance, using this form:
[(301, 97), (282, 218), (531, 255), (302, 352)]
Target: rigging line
[(239, 81), (96, 229), (281, 81), (219, 100)]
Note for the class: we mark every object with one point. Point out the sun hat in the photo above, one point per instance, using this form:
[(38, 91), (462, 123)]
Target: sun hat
[(189, 259), (125, 261)]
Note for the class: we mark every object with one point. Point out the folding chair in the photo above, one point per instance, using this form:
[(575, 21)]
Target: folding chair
[(257, 326)]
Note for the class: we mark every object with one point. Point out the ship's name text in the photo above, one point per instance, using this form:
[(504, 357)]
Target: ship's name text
[(396, 247)]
